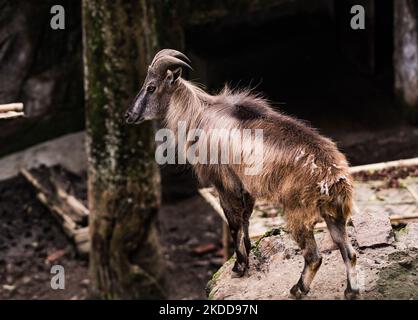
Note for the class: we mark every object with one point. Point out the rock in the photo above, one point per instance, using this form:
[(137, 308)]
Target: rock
[(407, 237), (384, 272), (270, 246), (372, 228)]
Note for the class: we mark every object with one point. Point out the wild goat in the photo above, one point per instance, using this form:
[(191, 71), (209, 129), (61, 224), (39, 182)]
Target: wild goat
[(302, 170)]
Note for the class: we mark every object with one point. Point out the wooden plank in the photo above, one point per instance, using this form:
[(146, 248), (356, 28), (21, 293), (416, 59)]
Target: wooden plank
[(385, 165), (66, 210), (82, 241), (397, 217), (17, 107), (66, 202), (213, 201), (67, 224), (76, 206), (11, 115), (412, 191)]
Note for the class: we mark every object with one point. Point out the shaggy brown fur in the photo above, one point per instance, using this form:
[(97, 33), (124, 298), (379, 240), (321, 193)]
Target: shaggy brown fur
[(302, 170)]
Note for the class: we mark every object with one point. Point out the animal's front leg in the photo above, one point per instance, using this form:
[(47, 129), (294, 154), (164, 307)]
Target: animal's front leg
[(248, 205), (238, 209), (237, 234)]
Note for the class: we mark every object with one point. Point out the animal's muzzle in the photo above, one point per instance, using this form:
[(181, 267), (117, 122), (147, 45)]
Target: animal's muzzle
[(132, 117)]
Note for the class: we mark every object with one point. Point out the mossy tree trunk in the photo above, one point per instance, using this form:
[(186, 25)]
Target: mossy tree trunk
[(119, 40), (406, 55)]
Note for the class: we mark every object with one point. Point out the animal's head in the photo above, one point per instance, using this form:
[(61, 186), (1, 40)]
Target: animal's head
[(152, 100)]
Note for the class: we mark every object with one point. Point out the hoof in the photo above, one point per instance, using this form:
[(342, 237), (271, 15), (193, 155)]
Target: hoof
[(297, 292), (239, 270), (350, 294), (237, 274)]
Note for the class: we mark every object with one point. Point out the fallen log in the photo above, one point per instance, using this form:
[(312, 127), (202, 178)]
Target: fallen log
[(385, 165), (17, 107), (69, 212), (72, 207), (11, 115), (11, 111)]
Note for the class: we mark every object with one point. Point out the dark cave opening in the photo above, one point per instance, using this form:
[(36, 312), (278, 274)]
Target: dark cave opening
[(310, 64)]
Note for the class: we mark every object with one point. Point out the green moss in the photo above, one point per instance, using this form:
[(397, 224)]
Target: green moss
[(399, 279), (272, 232), (212, 282), (255, 248), (211, 295), (400, 232)]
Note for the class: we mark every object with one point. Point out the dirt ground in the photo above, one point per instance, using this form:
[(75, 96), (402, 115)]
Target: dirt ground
[(31, 242), (191, 226)]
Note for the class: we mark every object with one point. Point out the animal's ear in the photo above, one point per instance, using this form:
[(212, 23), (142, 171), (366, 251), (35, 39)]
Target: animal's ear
[(172, 76), (177, 73)]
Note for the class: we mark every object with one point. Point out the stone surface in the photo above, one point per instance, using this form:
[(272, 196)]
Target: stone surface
[(276, 262), (67, 151), (372, 228)]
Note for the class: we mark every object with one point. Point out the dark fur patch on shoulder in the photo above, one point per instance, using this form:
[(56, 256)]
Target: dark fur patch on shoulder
[(246, 112)]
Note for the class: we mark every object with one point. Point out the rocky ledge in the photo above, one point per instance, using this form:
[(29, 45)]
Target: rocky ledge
[(387, 265)]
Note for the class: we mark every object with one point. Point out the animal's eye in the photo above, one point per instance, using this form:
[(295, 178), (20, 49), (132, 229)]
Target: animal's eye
[(150, 89)]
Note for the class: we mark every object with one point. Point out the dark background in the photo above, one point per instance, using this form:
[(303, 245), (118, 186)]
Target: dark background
[(302, 55)]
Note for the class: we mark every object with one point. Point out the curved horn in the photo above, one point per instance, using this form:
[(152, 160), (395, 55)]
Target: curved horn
[(162, 64), (171, 53)]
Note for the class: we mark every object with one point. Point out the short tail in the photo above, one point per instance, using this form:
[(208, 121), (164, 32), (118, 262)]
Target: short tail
[(340, 203)]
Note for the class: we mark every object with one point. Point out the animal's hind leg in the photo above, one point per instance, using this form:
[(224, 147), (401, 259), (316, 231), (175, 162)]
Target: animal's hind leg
[(337, 229), (304, 236)]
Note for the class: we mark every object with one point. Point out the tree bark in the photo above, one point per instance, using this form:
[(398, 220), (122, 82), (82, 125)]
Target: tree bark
[(124, 187), (406, 55)]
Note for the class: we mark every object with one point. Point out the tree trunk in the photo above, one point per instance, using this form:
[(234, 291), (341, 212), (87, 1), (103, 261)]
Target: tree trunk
[(406, 55), (125, 262)]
